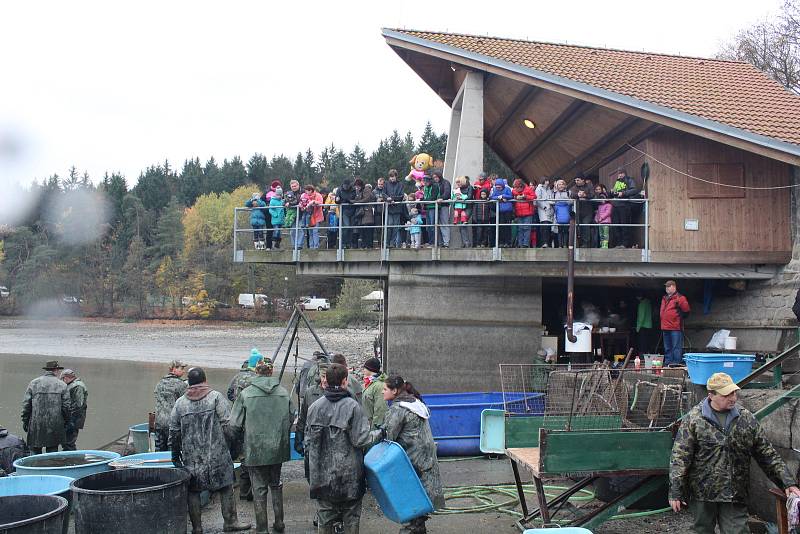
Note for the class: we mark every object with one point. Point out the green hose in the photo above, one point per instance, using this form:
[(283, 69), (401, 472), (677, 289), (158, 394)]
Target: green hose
[(508, 492)]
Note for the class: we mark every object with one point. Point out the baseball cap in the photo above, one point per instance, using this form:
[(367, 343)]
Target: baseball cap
[(177, 363), (722, 383)]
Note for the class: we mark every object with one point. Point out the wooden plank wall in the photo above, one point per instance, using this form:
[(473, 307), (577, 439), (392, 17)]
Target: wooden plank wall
[(757, 222)]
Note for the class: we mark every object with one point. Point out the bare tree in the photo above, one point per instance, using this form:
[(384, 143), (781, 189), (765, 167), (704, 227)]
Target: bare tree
[(772, 46)]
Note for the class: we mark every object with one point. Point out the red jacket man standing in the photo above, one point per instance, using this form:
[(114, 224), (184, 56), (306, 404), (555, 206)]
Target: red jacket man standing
[(674, 308)]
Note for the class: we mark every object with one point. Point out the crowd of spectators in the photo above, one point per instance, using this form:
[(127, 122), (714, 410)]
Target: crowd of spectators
[(487, 212)]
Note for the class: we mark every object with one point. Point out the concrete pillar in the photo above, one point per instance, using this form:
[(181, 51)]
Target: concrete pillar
[(448, 334), (464, 154)]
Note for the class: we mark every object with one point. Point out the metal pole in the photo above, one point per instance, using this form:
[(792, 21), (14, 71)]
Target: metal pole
[(314, 333), (285, 333), (341, 244), (384, 336), (496, 227), (571, 281), (647, 230), (288, 350), (435, 229), (385, 229), (235, 231)]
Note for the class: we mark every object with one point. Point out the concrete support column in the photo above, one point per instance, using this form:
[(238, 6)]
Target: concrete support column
[(448, 334), (464, 154)]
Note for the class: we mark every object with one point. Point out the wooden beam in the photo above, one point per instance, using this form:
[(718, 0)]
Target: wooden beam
[(624, 148), (522, 100), (572, 112), (597, 145)]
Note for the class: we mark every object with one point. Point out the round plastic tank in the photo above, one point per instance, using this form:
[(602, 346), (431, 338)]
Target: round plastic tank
[(131, 501), (35, 485), (74, 464), (140, 434), (33, 514)]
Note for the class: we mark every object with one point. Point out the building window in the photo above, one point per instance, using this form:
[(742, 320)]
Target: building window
[(719, 173)]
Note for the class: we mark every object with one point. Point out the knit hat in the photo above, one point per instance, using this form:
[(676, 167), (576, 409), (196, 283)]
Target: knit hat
[(275, 183), (255, 356), (263, 366), (373, 365)]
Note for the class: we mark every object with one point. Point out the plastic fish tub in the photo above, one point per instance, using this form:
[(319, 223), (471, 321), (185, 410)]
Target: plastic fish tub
[(33, 514), (562, 530), (702, 365), (74, 471), (395, 484), (456, 417), (35, 485)]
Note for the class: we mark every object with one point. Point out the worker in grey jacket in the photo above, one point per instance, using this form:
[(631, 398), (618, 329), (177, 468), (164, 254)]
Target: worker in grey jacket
[(197, 437), (46, 411), (168, 390), (78, 397), (336, 431)]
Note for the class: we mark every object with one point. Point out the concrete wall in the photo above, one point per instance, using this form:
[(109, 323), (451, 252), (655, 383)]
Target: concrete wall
[(448, 334)]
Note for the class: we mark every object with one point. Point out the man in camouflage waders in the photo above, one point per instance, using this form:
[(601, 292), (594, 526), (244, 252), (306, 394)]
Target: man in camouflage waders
[(710, 465), (78, 397), (168, 390)]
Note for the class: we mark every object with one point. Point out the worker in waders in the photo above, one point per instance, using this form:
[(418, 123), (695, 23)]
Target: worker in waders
[(240, 381), (375, 407), (168, 390), (263, 412), (46, 410), (335, 434), (78, 397), (197, 438)]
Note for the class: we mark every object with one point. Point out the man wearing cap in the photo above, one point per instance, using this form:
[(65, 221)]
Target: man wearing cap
[(674, 307), (263, 412), (374, 404), (198, 439), (46, 410), (168, 390), (78, 396), (710, 464)]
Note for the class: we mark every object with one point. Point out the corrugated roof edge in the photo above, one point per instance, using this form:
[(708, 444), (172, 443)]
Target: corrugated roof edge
[(694, 120), (571, 45)]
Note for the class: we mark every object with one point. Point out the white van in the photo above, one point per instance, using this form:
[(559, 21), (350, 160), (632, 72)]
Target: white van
[(246, 300), (314, 303)]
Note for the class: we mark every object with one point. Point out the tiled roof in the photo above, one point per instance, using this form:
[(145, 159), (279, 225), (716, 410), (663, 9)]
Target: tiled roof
[(729, 92)]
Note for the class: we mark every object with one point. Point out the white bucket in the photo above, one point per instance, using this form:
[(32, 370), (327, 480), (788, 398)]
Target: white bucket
[(730, 343), (583, 332)]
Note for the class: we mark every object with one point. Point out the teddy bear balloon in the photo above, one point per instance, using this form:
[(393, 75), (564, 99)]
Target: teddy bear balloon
[(419, 164)]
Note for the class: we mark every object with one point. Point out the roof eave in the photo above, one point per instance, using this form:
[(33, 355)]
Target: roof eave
[(790, 152)]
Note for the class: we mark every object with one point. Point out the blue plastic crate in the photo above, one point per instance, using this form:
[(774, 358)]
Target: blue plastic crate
[(395, 484), (702, 365), (293, 454)]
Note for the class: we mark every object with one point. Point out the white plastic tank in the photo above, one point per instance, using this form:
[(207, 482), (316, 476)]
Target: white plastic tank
[(583, 333)]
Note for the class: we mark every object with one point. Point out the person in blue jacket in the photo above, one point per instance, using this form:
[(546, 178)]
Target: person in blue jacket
[(258, 219), (503, 195), (277, 215)]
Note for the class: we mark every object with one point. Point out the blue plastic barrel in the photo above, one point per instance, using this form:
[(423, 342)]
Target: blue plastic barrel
[(456, 417), (140, 435), (702, 365), (22, 465), (395, 484)]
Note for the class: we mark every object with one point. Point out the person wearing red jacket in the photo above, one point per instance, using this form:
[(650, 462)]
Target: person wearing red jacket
[(674, 307), (524, 195)]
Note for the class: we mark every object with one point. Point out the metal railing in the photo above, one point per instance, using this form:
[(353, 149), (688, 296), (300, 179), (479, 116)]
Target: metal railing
[(394, 230)]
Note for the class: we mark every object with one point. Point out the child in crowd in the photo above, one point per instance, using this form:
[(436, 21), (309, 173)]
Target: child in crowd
[(333, 218), (603, 217), (277, 215), (462, 210), (563, 211), (483, 216), (257, 220), (414, 226)]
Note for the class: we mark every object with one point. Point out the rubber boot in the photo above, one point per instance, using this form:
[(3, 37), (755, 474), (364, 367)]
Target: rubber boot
[(277, 507), (195, 513), (229, 514), (260, 507), (245, 486)]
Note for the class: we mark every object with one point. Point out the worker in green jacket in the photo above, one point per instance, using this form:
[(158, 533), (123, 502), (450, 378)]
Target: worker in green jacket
[(263, 412), (710, 462), (374, 405), (78, 396)]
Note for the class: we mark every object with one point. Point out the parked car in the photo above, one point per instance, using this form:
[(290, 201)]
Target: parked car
[(71, 300), (314, 303), (4, 292), (246, 300)]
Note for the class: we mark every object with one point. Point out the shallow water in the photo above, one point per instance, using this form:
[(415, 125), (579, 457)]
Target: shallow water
[(120, 392), (64, 461)]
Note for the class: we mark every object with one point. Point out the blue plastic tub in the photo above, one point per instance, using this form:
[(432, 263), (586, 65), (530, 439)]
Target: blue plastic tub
[(395, 484), (702, 365), (73, 471), (35, 485), (493, 432), (456, 417), (140, 435), (293, 453)]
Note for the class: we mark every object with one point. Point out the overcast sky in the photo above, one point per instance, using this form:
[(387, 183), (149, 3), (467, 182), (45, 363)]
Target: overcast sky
[(111, 86)]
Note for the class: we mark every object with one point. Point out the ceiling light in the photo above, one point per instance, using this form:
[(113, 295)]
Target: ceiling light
[(529, 124)]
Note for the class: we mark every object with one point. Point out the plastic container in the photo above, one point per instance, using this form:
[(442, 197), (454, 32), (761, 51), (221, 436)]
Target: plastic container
[(140, 435), (294, 455), (493, 432), (583, 333), (702, 365), (131, 501), (456, 417), (395, 484), (33, 514), (730, 343), (23, 467), (35, 485)]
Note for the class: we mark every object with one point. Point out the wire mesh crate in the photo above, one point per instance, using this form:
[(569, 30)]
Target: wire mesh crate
[(595, 396)]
